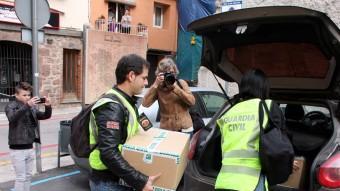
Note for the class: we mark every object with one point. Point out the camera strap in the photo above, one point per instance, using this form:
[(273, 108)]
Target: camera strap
[(179, 84)]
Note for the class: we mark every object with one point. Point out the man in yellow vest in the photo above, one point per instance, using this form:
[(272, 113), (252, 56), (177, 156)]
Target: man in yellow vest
[(114, 119), (240, 131)]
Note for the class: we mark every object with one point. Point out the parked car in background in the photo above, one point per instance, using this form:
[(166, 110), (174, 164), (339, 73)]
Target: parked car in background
[(299, 50), (208, 102)]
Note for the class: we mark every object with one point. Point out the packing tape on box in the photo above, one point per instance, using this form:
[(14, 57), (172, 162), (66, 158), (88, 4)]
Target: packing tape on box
[(151, 148)]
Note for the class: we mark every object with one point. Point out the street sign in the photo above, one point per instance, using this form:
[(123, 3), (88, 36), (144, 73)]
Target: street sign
[(23, 9), (26, 35), (230, 5)]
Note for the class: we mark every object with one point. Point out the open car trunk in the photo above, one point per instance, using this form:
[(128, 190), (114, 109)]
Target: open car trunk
[(309, 128), (299, 51), (297, 48)]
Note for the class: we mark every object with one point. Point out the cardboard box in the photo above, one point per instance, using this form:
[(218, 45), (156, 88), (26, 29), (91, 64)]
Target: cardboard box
[(296, 179), (159, 151)]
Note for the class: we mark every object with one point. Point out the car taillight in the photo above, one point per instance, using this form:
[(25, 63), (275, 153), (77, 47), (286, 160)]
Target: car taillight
[(329, 172), (192, 147)]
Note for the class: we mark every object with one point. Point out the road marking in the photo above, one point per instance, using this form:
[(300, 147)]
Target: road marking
[(53, 178)]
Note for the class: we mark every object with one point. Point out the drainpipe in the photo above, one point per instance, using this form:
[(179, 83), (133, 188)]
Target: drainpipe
[(85, 61)]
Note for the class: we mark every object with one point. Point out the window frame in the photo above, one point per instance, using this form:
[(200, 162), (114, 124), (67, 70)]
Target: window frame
[(162, 16)]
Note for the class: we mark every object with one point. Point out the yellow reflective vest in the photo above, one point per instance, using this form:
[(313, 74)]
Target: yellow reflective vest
[(240, 132), (132, 127)]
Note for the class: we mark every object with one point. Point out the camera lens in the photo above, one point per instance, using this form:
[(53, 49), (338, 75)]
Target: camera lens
[(169, 78)]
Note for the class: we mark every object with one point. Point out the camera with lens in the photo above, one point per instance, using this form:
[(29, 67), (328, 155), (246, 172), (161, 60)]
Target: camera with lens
[(169, 78)]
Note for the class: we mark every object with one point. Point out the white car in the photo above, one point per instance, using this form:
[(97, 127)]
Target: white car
[(207, 103)]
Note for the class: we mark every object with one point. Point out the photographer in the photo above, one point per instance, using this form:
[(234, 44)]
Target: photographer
[(23, 119), (174, 100)]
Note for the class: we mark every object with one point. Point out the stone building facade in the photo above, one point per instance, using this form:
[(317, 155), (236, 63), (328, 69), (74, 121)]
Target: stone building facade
[(51, 61)]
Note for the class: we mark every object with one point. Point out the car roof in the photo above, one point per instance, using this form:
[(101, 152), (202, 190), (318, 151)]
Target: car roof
[(193, 89), (297, 48)]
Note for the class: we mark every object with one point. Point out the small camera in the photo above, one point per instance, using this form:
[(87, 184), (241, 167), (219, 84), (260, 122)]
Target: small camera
[(169, 78), (42, 100)]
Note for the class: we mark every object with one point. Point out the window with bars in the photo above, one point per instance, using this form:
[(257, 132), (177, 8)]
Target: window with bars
[(71, 73)]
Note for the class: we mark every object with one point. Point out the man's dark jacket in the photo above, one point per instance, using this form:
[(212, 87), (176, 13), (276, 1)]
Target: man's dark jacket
[(23, 123), (110, 138)]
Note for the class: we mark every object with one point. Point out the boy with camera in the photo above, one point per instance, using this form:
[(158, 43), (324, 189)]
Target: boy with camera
[(23, 119), (174, 99)]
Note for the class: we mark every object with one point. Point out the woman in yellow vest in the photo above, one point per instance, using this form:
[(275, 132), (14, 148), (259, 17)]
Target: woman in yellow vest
[(239, 126)]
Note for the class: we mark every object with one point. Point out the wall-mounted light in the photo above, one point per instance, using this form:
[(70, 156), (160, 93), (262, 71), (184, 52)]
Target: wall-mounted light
[(49, 41)]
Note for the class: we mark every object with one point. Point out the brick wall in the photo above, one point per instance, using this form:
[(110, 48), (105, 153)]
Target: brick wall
[(104, 49), (51, 68)]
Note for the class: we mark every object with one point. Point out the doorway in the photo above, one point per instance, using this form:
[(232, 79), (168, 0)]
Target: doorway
[(15, 66)]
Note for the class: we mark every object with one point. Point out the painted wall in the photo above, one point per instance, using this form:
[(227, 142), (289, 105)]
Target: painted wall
[(75, 13), (97, 9), (159, 38), (69, 17), (104, 49)]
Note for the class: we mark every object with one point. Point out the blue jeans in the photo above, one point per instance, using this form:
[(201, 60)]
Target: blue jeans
[(261, 185), (108, 186)]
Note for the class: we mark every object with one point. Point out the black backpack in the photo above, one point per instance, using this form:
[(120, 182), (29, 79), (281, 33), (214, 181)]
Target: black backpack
[(276, 151), (79, 140)]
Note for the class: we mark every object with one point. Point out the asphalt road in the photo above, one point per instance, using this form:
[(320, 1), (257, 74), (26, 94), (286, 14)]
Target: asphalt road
[(65, 178)]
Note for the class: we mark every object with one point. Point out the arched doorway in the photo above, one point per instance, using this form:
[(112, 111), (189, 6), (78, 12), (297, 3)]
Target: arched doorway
[(15, 66)]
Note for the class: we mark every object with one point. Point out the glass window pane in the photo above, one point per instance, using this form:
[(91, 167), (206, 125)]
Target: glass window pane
[(158, 16), (213, 102)]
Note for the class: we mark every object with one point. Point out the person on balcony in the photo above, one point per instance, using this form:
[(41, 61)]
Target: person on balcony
[(126, 22), (112, 23)]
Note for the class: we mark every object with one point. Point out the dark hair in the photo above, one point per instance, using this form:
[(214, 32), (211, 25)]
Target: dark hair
[(254, 84), (128, 63), (337, 111), (23, 86)]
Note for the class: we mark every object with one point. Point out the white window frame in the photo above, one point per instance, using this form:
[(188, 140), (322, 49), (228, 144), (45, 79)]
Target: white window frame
[(162, 16)]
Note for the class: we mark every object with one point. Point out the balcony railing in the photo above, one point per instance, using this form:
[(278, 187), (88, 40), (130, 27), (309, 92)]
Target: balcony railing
[(109, 26)]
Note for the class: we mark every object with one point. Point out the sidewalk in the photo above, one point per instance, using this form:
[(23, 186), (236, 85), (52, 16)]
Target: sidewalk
[(64, 178), (55, 113), (49, 154)]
